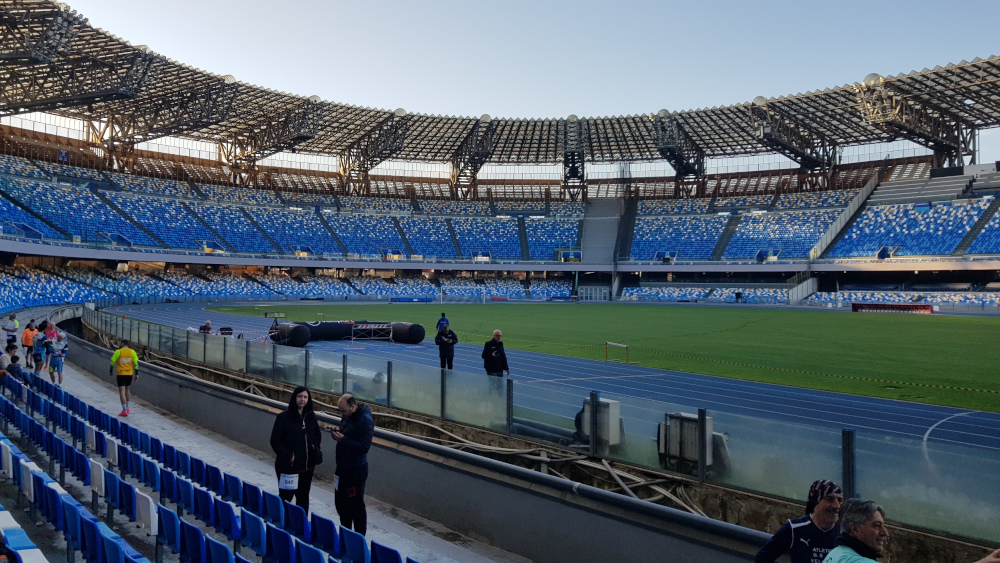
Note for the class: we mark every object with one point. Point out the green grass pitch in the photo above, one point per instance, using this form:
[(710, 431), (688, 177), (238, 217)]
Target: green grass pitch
[(938, 359)]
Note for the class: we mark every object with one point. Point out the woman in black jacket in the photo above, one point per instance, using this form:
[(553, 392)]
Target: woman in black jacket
[(295, 439)]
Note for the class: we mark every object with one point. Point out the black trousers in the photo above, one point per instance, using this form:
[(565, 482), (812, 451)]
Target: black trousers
[(301, 495), (448, 363), (350, 498)]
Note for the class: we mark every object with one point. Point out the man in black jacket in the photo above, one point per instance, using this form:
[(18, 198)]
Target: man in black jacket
[(495, 360), (445, 341), (354, 439)]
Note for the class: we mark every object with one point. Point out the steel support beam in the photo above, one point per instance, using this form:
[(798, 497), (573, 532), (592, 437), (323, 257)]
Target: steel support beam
[(901, 114), (33, 33), (378, 144), (83, 81), (574, 183), (788, 137), (475, 150), (120, 128), (676, 146), (279, 132)]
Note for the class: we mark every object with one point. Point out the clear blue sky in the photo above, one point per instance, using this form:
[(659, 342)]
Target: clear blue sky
[(543, 58)]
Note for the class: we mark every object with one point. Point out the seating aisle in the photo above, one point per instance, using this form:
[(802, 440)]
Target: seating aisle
[(409, 534)]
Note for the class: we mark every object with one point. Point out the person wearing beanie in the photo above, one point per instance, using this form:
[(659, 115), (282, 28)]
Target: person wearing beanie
[(809, 538)]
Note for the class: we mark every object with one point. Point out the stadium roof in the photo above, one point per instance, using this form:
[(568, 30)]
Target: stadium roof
[(40, 53)]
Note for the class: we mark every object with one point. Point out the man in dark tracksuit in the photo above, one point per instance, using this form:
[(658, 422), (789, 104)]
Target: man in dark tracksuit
[(445, 341), (495, 361), (354, 439)]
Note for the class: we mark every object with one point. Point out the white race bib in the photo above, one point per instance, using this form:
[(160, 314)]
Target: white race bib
[(288, 482), (336, 482)]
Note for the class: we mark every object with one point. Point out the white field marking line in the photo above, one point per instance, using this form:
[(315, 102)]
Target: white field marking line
[(942, 421)]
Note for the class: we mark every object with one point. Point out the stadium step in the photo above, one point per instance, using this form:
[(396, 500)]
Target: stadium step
[(257, 226), (221, 240), (522, 235), (194, 187), (454, 237), (100, 195), (977, 228), (340, 243), (726, 236), (626, 228), (402, 235), (31, 212), (847, 227)]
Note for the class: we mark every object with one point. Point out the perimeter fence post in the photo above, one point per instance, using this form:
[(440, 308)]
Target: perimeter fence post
[(343, 375), (443, 390), (306, 370), (388, 383), (510, 407), (702, 444), (594, 401), (847, 454)]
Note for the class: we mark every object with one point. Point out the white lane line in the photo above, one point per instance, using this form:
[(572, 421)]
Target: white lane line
[(942, 421)]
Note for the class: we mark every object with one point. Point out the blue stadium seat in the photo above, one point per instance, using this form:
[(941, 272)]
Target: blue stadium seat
[(325, 535), (383, 554), (217, 552), (274, 509), (254, 533), (234, 489), (192, 543), (297, 522), (204, 506), (353, 547), (253, 499), (305, 553), (169, 532)]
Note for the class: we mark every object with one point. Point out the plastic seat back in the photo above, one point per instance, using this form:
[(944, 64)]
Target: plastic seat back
[(145, 513), (214, 481), (112, 488), (353, 547), (217, 552), (227, 522), (383, 554), (254, 533), (204, 506), (183, 464), (197, 471), (296, 522), (253, 499), (72, 526), (168, 533), (114, 552), (280, 544), (168, 485), (325, 535), (234, 488), (126, 499), (192, 543), (274, 509), (185, 494), (306, 553), (151, 474)]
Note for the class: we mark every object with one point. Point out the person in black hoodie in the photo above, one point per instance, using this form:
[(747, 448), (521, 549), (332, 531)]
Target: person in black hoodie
[(295, 439), (354, 439), (445, 341)]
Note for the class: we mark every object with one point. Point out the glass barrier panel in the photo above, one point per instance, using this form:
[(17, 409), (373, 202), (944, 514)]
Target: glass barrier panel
[(415, 388), (235, 355), (326, 371), (179, 337), (260, 359), (544, 410), (290, 365), (196, 346), (119, 327), (366, 378), (154, 337), (133, 333), (776, 457), (940, 483), (215, 350), (143, 336), (472, 398)]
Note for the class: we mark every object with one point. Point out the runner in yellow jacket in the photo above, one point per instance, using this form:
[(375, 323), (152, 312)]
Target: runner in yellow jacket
[(125, 367)]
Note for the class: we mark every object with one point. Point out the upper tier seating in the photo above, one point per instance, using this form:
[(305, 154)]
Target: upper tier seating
[(830, 198), (566, 208), (10, 214), (239, 194), (157, 186), (749, 295), (231, 224), (671, 294), (694, 238), (291, 228), (366, 234), (545, 235), (428, 236), (758, 200), (672, 206), (446, 207), (988, 241), (551, 289), (932, 232), (166, 218), (74, 209), (19, 167), (53, 168), (360, 204), (533, 207), (795, 233), (307, 198), (498, 236)]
